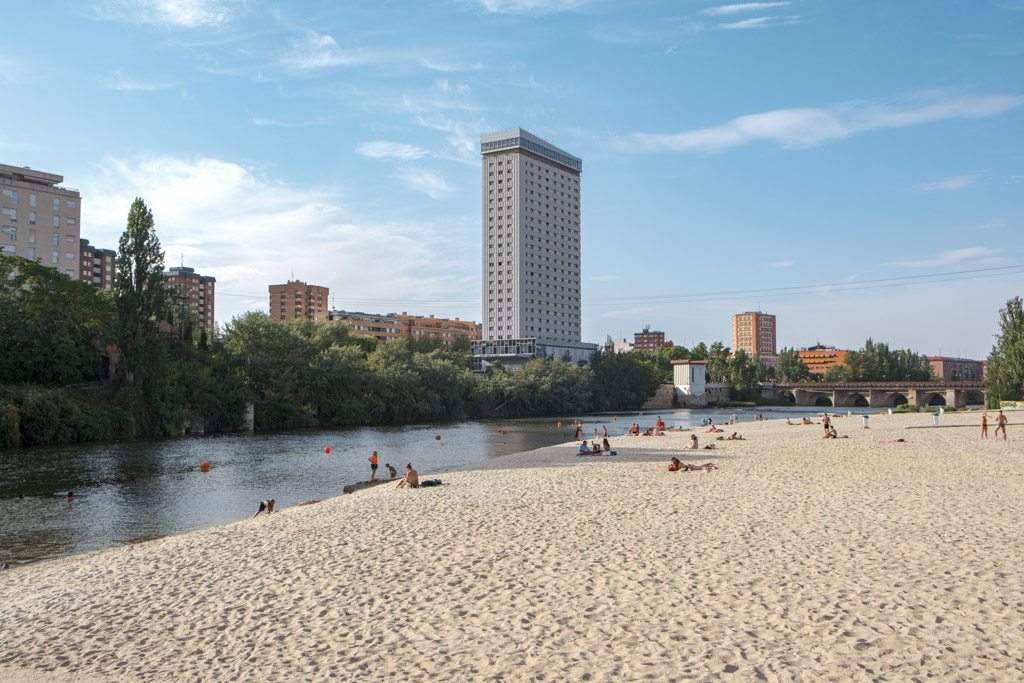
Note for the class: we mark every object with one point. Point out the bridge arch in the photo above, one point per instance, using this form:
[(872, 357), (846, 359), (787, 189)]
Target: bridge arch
[(933, 398), (852, 399), (824, 400), (893, 399)]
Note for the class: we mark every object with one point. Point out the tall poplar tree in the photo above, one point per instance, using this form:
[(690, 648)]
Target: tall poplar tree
[(139, 293), (1004, 377)]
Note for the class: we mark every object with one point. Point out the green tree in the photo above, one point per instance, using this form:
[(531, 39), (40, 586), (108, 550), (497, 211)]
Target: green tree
[(718, 363), (139, 293), (789, 367), (1004, 378), (54, 329), (875, 362), (623, 381)]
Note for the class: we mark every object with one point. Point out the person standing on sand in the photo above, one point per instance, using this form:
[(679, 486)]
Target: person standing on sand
[(373, 466), (579, 431), (1000, 424), (827, 422), (984, 425), (392, 470), (605, 431)]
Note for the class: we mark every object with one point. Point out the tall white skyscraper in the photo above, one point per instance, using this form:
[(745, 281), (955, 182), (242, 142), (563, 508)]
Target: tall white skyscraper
[(531, 239)]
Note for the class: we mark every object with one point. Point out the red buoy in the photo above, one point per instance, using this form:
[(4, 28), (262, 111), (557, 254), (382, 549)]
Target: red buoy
[(204, 467), (438, 437), (327, 449)]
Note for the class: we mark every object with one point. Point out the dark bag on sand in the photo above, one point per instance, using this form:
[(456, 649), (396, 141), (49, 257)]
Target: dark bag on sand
[(430, 482)]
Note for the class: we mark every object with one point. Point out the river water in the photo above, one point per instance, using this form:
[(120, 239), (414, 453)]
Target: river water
[(140, 490)]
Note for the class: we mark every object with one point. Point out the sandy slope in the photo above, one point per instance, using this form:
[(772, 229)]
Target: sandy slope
[(799, 559)]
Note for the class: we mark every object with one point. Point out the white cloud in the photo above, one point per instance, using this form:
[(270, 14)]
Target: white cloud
[(257, 121), (950, 256), (452, 88), (119, 81), (956, 183), (169, 13), (448, 68), (530, 6), (605, 278), (780, 264), (759, 22), (249, 232), (431, 184), (317, 51), (743, 7), (385, 149), (809, 127)]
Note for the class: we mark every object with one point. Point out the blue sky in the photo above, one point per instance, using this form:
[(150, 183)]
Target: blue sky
[(794, 157)]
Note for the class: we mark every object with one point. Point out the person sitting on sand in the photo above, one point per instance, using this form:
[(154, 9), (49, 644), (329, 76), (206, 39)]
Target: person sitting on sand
[(607, 447), (595, 448), (692, 446), (411, 478), (807, 422), (831, 433), (583, 449), (267, 505), (788, 422)]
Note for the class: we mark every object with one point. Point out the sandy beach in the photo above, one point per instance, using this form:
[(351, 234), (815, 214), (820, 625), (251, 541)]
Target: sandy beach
[(798, 559)]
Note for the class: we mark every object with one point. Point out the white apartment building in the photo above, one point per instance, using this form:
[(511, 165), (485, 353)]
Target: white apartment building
[(39, 220), (531, 239)]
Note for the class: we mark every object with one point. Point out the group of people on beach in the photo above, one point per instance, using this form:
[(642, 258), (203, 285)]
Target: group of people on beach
[(1000, 424)]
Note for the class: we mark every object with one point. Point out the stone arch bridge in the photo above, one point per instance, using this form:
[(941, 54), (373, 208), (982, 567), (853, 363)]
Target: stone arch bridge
[(876, 394)]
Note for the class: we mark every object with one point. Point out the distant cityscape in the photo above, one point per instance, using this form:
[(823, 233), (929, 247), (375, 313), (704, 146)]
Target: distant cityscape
[(530, 265)]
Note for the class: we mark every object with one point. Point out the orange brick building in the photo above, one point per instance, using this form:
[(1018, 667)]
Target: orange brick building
[(820, 358), (296, 300), (394, 325), (754, 332)]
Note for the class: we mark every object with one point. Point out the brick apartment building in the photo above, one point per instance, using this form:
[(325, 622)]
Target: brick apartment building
[(296, 300), (195, 290), (820, 358), (754, 332), (649, 340), (395, 325), (97, 265), (39, 219), (957, 369)]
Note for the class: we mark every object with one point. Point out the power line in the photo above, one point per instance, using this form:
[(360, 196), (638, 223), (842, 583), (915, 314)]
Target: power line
[(795, 290)]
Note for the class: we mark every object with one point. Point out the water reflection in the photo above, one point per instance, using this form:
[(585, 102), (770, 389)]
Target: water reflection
[(141, 490)]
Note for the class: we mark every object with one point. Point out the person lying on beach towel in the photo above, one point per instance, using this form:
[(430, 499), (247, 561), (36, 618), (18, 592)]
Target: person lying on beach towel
[(896, 441), (678, 466)]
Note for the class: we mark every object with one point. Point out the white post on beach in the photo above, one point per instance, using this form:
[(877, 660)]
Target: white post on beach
[(935, 419), (942, 410), (890, 412)]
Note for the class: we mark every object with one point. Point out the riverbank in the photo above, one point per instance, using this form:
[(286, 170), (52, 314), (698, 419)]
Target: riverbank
[(799, 557)]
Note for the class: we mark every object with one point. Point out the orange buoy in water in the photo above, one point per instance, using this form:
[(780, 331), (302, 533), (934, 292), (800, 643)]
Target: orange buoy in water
[(438, 437), (614, 418), (559, 424), (204, 467), (500, 432), (327, 449)]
